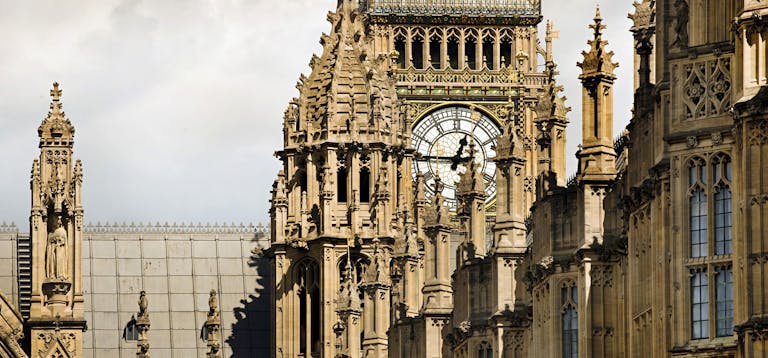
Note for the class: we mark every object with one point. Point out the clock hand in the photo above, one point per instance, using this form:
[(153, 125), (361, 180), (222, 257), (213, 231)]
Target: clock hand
[(421, 157), (457, 158)]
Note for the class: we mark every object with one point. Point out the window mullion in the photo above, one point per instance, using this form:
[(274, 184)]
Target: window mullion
[(711, 202), (711, 301)]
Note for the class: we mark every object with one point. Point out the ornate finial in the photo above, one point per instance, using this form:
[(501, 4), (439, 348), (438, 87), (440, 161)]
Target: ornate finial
[(598, 26), (598, 61), (56, 101), (56, 92), (56, 125)]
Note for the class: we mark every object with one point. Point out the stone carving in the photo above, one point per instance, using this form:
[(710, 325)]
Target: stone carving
[(692, 141), (56, 253), (55, 345), (758, 132), (143, 305), (717, 138), (706, 90), (681, 24), (528, 184), (142, 325), (212, 327)]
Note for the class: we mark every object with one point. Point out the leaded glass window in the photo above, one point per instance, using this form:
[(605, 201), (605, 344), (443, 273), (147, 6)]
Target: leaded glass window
[(724, 302), (711, 242), (131, 332), (570, 321), (698, 208), (699, 304), (723, 223), (484, 350)]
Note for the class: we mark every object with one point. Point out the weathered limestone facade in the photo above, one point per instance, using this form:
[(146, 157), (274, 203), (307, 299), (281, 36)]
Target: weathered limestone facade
[(423, 208), (652, 249), (363, 246)]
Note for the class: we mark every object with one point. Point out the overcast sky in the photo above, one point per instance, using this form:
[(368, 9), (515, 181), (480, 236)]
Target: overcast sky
[(178, 103)]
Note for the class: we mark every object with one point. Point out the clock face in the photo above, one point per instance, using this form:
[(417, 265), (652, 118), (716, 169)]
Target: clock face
[(437, 136)]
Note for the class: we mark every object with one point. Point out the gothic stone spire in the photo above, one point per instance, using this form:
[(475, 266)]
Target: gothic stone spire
[(56, 127), (598, 62), (597, 158)]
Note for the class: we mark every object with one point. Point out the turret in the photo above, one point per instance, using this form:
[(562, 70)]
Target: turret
[(56, 224), (597, 156)]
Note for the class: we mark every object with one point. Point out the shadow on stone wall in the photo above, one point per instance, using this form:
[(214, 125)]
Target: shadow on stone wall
[(250, 333)]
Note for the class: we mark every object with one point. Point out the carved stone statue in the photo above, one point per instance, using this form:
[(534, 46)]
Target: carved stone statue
[(681, 27), (213, 305), (56, 253), (411, 243), (143, 303)]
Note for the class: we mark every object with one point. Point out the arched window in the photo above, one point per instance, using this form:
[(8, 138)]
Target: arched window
[(470, 53), (307, 278), (710, 179), (697, 180), (484, 350), (722, 188), (131, 332), (570, 319), (488, 53), (400, 48), (417, 51), (453, 53), (505, 49), (435, 44)]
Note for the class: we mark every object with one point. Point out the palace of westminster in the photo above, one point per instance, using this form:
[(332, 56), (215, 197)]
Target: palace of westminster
[(423, 208)]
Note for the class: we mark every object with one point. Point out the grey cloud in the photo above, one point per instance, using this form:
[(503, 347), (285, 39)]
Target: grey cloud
[(178, 104)]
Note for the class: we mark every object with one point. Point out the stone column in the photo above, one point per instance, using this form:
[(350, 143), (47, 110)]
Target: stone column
[(438, 293), (142, 325), (376, 287), (212, 327)]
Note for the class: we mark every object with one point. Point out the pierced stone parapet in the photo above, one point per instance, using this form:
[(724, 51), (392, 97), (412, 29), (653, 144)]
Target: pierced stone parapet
[(175, 228)]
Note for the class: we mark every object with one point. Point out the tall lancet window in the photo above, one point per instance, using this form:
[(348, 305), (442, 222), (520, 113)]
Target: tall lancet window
[(307, 276), (341, 185), (722, 170), (697, 181), (711, 288), (400, 48), (365, 185), (722, 188), (570, 319)]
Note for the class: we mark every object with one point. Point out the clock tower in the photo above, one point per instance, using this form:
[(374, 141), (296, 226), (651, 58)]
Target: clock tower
[(460, 66), (412, 142)]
